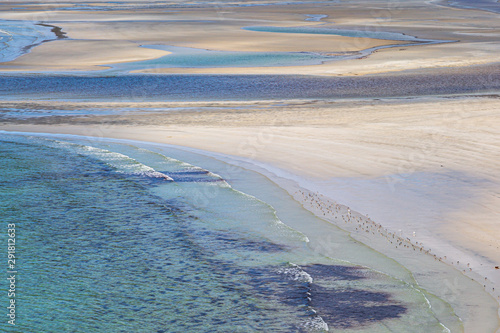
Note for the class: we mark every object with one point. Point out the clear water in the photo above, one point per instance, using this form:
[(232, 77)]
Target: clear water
[(14, 113), (366, 33), (115, 237), (185, 57), (487, 5), (18, 37), (315, 17), (37, 112)]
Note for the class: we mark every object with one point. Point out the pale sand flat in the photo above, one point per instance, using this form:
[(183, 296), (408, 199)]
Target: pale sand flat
[(219, 28), (82, 54), (222, 37), (383, 61)]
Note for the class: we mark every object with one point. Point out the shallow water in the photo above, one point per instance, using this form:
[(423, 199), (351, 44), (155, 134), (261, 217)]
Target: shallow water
[(320, 30), (487, 5), (185, 57), (122, 237), (18, 37), (37, 113), (118, 5), (241, 87), (315, 17)]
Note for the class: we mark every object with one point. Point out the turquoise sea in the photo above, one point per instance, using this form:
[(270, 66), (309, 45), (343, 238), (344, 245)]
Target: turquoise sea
[(128, 237)]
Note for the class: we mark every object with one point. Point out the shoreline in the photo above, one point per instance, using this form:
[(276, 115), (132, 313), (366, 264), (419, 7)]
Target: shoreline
[(112, 37), (18, 45), (370, 232)]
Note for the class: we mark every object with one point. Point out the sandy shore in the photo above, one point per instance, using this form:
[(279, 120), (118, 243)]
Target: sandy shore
[(425, 169), (97, 37)]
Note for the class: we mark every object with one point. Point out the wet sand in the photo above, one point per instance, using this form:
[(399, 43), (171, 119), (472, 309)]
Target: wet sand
[(118, 34)]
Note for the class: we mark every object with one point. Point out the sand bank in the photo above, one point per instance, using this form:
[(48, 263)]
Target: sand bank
[(67, 55), (219, 27)]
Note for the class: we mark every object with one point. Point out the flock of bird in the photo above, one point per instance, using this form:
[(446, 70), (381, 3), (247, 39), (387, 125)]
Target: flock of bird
[(354, 222)]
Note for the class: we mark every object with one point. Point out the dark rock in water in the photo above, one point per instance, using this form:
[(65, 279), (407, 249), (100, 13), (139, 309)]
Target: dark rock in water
[(351, 308), (198, 176), (336, 272), (251, 245), (56, 30), (339, 307)]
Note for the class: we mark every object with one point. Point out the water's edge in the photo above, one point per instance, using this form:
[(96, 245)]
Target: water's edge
[(278, 177)]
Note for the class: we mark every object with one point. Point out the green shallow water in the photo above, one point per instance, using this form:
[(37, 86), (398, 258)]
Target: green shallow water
[(184, 57), (115, 237), (319, 30)]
